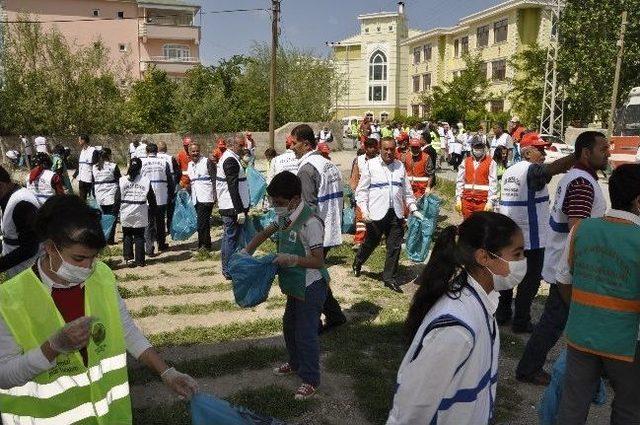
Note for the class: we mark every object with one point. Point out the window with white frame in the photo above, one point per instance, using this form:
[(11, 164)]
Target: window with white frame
[(482, 35), (426, 81), (416, 83), (378, 77), (500, 31), (456, 48), (176, 51), (499, 70), (415, 110), (427, 52), (416, 55), (464, 45)]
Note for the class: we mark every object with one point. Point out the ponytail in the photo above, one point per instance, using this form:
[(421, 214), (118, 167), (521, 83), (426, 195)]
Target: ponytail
[(135, 166), (453, 255)]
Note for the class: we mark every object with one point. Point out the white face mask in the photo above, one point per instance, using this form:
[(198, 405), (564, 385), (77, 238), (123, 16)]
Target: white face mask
[(517, 270), (68, 272), (282, 212)]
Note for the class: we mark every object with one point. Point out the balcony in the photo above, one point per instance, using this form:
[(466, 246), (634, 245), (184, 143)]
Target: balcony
[(170, 65), (162, 28)]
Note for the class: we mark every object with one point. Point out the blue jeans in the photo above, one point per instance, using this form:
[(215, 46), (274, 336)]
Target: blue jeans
[(231, 233), (300, 328)]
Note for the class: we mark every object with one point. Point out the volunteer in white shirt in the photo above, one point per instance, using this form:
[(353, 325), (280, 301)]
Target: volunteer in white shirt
[(325, 135), (137, 149), (106, 185), (286, 161), (157, 170), (201, 173), (137, 198), (176, 174), (43, 182), (49, 364), (525, 199), (446, 139), (383, 193), (41, 145), (578, 196), (501, 138), (84, 173), (449, 374)]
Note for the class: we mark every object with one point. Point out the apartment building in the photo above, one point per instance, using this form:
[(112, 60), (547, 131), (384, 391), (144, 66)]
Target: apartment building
[(431, 57), (139, 33)]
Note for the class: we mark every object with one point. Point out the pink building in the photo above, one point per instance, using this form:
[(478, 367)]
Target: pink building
[(137, 33)]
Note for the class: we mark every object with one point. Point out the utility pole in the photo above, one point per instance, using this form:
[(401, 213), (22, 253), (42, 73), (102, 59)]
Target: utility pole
[(275, 16), (551, 117), (616, 78)]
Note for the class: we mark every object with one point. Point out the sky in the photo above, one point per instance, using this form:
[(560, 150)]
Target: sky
[(309, 24)]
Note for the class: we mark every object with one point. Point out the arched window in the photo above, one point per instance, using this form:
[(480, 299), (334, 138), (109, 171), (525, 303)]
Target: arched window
[(378, 77)]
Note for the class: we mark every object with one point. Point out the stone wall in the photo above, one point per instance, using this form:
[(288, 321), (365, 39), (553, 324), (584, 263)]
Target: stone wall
[(119, 144)]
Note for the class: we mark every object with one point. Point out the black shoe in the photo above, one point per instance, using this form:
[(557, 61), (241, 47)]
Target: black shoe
[(502, 320), (540, 378), (520, 329), (163, 248), (393, 285), (357, 268), (331, 325)]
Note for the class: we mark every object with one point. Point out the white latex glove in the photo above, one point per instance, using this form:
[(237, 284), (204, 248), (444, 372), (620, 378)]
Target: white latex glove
[(73, 336), (181, 383), (418, 215), (241, 218), (286, 260), (366, 218)]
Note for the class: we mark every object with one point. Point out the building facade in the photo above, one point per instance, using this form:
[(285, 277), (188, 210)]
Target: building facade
[(433, 57), (136, 33)]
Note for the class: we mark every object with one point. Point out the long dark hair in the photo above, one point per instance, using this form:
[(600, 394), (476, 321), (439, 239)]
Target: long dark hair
[(497, 156), (135, 166), (446, 271)]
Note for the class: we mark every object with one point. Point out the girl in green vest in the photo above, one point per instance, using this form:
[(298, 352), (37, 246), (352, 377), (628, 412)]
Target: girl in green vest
[(66, 331), (302, 276)]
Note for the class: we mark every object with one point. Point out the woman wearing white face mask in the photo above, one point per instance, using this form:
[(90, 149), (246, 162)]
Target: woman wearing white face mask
[(65, 331), (449, 373)]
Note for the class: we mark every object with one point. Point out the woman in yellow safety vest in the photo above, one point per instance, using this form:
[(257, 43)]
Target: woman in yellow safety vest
[(65, 331)]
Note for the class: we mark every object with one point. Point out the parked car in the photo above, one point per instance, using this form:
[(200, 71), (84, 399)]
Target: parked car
[(558, 148)]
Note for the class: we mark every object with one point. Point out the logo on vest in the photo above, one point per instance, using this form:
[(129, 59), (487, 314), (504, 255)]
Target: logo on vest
[(98, 333)]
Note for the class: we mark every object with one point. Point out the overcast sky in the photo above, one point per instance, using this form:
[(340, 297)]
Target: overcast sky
[(308, 24)]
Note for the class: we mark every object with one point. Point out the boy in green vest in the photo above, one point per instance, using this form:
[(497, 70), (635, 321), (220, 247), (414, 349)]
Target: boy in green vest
[(601, 275), (302, 277)]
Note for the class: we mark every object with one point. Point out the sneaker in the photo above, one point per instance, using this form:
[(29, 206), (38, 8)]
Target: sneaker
[(304, 392), (283, 370), (540, 378)]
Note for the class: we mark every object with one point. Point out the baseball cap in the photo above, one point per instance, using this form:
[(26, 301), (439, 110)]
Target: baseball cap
[(186, 141), (415, 143), (532, 140), (477, 141)]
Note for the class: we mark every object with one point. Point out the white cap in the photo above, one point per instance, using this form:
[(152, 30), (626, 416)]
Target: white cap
[(460, 125), (40, 140), (375, 136), (515, 119), (12, 154)]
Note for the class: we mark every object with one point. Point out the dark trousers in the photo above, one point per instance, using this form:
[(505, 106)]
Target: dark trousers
[(204, 209), (392, 228), (331, 309), (456, 160), (84, 189), (111, 210), (300, 329), (545, 334), (527, 290), (231, 234), (155, 231), (581, 382), (133, 236), (170, 207)]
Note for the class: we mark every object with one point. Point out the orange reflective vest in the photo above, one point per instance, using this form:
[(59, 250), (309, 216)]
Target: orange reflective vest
[(476, 180), (417, 173)]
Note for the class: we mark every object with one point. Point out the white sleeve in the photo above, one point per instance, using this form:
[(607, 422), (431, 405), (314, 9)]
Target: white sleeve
[(272, 170), (493, 182), (17, 368), (563, 271), (136, 342), (460, 179), (426, 379), (362, 191)]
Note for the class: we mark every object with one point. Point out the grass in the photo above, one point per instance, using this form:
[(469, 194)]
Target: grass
[(130, 277), (508, 400), (164, 414), (447, 190), (511, 345), (110, 251), (204, 255), (273, 400), (275, 303), (215, 306), (222, 333), (252, 358), (146, 291)]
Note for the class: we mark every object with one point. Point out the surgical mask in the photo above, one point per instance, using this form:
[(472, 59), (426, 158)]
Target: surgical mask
[(75, 275), (478, 153), (517, 271), (246, 158), (282, 212)]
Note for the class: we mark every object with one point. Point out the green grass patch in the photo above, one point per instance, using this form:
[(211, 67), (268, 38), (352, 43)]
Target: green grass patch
[(164, 414), (208, 273), (146, 291), (204, 255), (110, 251), (275, 303), (446, 189), (165, 273), (215, 306), (130, 277), (508, 401), (273, 400), (251, 358), (213, 334), (511, 345)]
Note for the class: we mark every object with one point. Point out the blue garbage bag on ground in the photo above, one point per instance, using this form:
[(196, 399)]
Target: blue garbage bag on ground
[(209, 410), (107, 221), (348, 220), (550, 402), (252, 278), (420, 232), (257, 186), (185, 220)]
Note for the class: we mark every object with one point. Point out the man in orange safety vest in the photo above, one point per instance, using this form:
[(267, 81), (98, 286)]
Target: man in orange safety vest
[(477, 182)]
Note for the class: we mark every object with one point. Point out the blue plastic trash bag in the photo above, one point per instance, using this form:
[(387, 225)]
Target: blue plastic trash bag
[(91, 201), (209, 410), (257, 186), (550, 402), (248, 232), (252, 278), (185, 220), (107, 221), (261, 222), (348, 220), (420, 232)]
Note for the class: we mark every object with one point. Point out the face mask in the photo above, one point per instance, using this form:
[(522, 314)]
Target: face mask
[(282, 212), (478, 153), (246, 158), (517, 270), (75, 275)]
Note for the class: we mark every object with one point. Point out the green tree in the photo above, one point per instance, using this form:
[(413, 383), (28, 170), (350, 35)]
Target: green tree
[(527, 85), (464, 98), (150, 107), (589, 32)]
